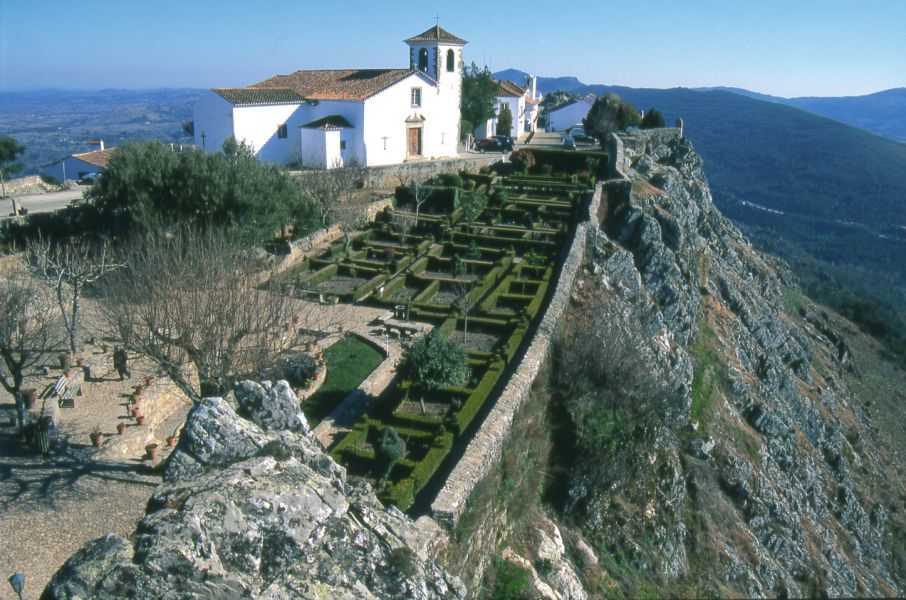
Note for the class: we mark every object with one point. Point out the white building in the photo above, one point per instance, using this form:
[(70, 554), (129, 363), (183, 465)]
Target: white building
[(523, 103), (79, 166), (324, 118), (566, 115)]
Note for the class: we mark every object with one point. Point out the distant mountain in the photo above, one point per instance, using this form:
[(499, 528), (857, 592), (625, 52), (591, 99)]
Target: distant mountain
[(805, 186), (545, 84), (883, 113)]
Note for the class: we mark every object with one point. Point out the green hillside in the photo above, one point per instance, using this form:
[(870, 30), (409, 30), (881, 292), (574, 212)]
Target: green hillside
[(828, 197)]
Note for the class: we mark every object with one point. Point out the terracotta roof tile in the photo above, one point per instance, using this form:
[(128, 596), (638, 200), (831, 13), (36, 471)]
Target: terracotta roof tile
[(251, 95), (437, 34), (329, 122), (510, 89), (98, 158), (345, 84)]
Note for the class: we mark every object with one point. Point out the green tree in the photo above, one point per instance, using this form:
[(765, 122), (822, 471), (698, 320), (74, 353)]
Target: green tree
[(473, 204), (479, 91), (504, 120), (609, 113), (432, 362), (145, 185), (390, 449), (652, 119), (10, 149)]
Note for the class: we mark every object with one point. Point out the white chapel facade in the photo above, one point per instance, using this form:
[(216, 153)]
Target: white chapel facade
[(325, 118)]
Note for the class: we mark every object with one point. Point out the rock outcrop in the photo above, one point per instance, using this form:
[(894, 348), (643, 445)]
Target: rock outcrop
[(746, 481), (248, 512)]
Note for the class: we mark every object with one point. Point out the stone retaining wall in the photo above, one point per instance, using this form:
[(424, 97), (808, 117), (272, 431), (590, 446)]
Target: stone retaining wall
[(392, 175), (485, 448)]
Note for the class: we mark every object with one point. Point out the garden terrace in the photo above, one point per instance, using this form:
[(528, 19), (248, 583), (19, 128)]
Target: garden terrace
[(502, 265)]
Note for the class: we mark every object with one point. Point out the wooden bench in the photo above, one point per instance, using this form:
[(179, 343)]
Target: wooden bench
[(64, 390)]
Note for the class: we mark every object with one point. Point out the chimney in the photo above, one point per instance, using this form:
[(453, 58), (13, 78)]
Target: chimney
[(533, 86), (96, 142)]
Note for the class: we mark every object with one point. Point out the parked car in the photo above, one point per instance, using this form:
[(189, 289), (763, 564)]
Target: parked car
[(506, 140), (493, 144), (583, 138), (568, 142)]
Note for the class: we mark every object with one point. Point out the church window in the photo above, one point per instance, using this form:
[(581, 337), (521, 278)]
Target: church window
[(423, 60), (342, 144), (451, 60), (416, 97), (281, 131)]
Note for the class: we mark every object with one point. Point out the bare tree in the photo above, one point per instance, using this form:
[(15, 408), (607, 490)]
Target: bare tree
[(29, 330), (197, 297), (332, 187), (403, 223), (419, 191), (69, 267), (463, 304)]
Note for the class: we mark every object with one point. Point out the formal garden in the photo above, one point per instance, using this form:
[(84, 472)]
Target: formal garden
[(475, 255)]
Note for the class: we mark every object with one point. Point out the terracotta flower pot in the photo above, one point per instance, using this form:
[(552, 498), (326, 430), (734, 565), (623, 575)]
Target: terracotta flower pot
[(140, 420), (97, 439), (171, 441), (30, 396), (82, 362), (151, 451), (120, 428), (134, 411)]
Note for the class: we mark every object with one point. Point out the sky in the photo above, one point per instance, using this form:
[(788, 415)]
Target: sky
[(785, 48)]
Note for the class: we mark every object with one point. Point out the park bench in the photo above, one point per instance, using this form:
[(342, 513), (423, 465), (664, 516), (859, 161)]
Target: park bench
[(65, 390)]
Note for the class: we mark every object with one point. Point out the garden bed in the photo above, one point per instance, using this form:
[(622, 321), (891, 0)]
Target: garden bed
[(349, 361)]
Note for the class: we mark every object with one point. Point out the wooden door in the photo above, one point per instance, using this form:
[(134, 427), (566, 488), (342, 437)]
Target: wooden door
[(415, 141)]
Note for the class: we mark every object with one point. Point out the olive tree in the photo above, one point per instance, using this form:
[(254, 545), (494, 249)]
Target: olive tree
[(432, 362)]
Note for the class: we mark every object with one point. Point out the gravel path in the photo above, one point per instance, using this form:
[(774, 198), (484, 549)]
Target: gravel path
[(50, 507)]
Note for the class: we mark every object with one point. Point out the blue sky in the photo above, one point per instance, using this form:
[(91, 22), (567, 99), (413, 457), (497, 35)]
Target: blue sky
[(787, 48)]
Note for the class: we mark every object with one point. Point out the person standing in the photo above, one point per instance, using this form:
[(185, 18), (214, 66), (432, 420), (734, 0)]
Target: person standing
[(120, 363)]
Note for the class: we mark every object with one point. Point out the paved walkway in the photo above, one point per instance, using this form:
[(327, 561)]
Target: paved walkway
[(38, 203), (50, 507), (364, 322)]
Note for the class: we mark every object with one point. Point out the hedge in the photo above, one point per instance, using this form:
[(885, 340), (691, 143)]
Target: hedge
[(470, 408), (569, 161), (368, 287)]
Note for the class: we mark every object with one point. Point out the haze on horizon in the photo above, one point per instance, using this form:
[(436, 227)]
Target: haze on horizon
[(841, 48)]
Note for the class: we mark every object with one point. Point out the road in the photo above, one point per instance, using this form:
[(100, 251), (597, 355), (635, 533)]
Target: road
[(37, 203)]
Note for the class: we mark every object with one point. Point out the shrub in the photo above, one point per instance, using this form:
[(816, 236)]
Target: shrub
[(449, 179)]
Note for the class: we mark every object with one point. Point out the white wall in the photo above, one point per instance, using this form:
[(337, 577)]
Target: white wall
[(213, 116), (386, 114), (74, 169), (564, 118), (257, 127)]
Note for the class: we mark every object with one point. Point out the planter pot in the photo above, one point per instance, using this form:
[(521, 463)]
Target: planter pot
[(82, 362), (30, 396), (171, 441), (67, 373), (65, 360), (97, 439), (140, 420), (151, 451), (134, 411), (120, 428)]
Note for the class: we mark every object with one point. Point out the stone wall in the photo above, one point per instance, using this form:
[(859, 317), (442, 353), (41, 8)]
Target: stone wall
[(625, 146), (485, 448), (391, 175)]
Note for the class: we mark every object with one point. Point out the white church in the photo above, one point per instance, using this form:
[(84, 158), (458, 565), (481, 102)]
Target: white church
[(325, 118)]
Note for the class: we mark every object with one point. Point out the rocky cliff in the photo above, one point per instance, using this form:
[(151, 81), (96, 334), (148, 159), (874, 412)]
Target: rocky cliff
[(253, 507), (718, 446)]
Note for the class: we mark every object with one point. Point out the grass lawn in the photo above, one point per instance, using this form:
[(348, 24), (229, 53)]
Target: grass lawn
[(349, 362)]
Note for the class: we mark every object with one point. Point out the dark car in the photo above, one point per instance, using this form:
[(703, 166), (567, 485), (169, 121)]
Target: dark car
[(506, 141), (493, 144), (583, 138), (568, 142)]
